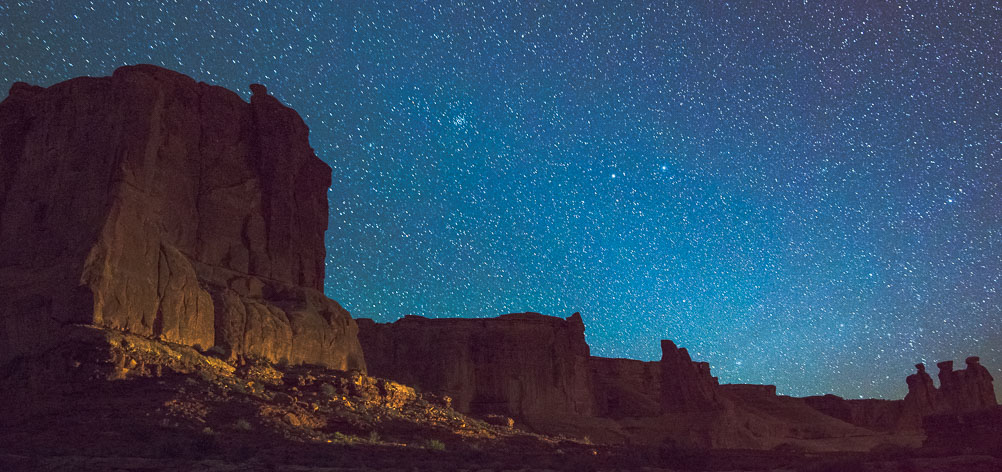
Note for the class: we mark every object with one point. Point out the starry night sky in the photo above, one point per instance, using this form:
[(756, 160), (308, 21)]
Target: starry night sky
[(806, 194)]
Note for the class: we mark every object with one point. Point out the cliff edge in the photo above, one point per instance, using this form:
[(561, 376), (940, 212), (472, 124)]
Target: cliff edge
[(149, 203)]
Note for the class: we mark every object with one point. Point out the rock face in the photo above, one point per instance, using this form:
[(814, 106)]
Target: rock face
[(625, 387), (536, 369), (922, 398), (965, 390), (965, 433), (149, 203), (875, 414), (525, 365), (686, 384), (960, 391)]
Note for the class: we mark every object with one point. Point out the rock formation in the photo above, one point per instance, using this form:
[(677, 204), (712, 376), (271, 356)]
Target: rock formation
[(625, 387), (875, 414), (972, 432), (960, 391), (965, 390), (149, 203), (537, 370), (686, 384), (525, 365), (922, 395)]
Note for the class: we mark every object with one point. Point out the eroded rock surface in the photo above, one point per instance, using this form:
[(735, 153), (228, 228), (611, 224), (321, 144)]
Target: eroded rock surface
[(686, 384), (524, 364), (965, 390), (625, 387), (922, 398), (149, 203)]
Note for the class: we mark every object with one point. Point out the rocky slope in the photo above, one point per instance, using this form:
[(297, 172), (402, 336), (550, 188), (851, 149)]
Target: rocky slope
[(149, 203), (133, 403)]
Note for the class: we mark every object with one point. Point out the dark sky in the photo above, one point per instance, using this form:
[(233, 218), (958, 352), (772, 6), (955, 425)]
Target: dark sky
[(806, 194)]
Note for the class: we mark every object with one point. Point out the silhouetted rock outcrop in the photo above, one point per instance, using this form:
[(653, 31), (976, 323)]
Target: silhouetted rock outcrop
[(686, 384), (525, 365), (922, 395), (961, 391), (966, 390), (970, 389), (149, 203), (537, 370)]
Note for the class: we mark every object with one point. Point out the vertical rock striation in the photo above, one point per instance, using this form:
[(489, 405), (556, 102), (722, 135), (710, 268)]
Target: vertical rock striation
[(685, 384), (625, 387), (150, 203), (525, 364)]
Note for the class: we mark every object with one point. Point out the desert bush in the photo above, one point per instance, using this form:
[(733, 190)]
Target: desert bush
[(433, 445)]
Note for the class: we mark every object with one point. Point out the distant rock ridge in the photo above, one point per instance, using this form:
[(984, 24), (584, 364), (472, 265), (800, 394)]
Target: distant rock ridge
[(537, 369), (150, 203), (962, 391), (686, 384)]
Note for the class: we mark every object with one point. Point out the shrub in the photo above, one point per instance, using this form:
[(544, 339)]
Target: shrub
[(433, 445)]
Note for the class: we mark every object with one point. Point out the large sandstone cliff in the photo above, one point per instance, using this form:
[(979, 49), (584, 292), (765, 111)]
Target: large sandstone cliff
[(525, 364), (149, 203)]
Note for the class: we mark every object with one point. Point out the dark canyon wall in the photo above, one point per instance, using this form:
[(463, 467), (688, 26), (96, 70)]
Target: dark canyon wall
[(524, 364), (530, 365)]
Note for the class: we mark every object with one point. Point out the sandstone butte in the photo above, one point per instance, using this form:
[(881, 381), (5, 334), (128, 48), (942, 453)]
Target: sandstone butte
[(148, 203)]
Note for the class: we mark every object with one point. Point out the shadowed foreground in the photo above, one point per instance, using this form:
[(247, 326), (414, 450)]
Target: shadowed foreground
[(140, 404)]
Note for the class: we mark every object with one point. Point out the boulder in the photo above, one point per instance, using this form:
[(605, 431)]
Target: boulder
[(149, 203)]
